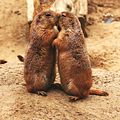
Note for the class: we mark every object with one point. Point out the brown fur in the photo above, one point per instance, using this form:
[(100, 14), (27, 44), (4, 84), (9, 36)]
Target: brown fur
[(73, 61), (39, 68)]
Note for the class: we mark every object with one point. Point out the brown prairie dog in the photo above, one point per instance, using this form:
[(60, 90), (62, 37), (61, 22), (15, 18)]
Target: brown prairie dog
[(73, 60), (39, 63)]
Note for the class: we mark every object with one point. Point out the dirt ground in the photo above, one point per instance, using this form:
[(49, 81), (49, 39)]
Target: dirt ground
[(104, 49)]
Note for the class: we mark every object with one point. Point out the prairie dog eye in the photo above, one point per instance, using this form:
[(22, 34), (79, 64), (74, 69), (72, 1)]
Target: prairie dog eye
[(48, 14), (63, 14)]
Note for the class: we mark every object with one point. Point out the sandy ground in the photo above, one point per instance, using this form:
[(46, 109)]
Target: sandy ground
[(104, 48)]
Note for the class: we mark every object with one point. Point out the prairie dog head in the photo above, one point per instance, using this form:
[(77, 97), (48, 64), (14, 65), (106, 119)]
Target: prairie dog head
[(46, 19), (68, 20)]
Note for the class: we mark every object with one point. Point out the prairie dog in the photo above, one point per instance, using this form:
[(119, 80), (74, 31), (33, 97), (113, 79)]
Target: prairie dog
[(39, 62), (73, 60)]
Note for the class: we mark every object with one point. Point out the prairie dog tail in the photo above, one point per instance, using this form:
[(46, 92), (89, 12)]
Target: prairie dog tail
[(98, 92), (36, 3)]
